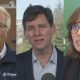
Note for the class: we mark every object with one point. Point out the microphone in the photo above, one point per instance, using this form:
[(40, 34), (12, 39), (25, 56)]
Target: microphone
[(2, 77), (48, 76)]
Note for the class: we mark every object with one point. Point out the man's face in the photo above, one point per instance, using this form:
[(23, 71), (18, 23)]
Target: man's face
[(39, 32), (3, 28)]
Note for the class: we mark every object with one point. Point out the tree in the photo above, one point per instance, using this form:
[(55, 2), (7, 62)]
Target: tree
[(58, 20)]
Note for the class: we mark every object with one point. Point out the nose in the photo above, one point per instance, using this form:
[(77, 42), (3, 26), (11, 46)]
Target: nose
[(0, 29), (78, 32), (36, 31)]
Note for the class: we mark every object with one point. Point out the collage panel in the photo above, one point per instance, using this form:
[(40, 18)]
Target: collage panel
[(40, 39), (72, 39), (8, 40)]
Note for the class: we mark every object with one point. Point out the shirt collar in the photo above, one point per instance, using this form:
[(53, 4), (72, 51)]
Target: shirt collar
[(53, 58), (10, 56), (34, 59), (3, 52)]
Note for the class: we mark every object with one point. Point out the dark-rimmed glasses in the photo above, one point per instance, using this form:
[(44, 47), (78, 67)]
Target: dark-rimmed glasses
[(75, 28), (2, 25)]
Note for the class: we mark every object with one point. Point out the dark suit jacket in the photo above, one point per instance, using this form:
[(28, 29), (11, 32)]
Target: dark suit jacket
[(8, 65), (26, 67), (71, 69)]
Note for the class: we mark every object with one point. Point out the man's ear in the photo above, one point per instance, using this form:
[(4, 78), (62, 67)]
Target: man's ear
[(53, 29), (7, 33)]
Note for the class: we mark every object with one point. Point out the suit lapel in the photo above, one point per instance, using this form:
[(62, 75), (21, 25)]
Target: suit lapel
[(60, 65), (29, 67)]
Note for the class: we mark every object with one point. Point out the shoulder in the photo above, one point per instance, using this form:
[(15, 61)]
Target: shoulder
[(59, 52), (9, 49), (71, 68), (70, 62), (10, 53), (22, 58), (25, 55)]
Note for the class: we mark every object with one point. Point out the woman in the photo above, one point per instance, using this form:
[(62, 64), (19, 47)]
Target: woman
[(72, 64)]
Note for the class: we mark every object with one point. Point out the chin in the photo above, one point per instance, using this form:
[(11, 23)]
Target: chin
[(40, 48), (78, 50)]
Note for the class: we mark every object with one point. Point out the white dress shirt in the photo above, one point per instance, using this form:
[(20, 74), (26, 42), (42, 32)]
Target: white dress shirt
[(39, 71), (3, 52)]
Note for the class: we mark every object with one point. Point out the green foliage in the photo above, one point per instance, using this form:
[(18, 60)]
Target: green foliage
[(24, 46), (59, 36)]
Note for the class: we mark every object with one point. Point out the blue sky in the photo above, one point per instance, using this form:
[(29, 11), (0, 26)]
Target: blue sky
[(21, 5)]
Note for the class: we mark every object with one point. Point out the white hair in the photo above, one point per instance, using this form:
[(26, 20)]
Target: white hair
[(7, 18)]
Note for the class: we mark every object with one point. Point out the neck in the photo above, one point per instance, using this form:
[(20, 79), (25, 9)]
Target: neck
[(43, 55)]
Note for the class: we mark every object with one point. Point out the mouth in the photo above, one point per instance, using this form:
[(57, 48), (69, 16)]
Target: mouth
[(39, 40)]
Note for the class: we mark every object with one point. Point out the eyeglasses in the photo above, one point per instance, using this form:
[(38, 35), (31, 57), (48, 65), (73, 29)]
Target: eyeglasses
[(75, 28), (2, 26)]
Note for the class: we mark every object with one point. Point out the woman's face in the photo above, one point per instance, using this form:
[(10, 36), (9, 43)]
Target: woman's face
[(75, 33)]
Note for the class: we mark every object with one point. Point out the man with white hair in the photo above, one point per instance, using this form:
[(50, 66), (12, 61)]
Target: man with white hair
[(7, 56)]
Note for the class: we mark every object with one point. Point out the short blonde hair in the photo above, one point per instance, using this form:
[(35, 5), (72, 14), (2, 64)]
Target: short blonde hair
[(8, 17)]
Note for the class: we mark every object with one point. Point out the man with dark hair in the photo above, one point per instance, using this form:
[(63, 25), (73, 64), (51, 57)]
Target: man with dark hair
[(44, 60)]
